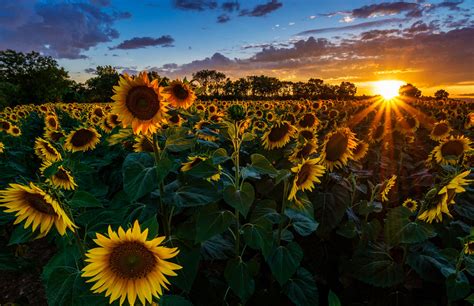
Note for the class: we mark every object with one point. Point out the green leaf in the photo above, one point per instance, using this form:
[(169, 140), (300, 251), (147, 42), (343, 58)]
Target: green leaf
[(239, 279), (219, 156), (470, 299), (457, 286), (84, 199), (375, 266), (399, 229), (20, 234), (178, 142), (429, 261), (261, 165), (174, 300), (51, 170), (211, 222), (139, 175), (203, 169), (302, 289), (189, 259), (163, 168), (248, 137), (259, 235), (240, 199), (333, 300), (302, 223), (199, 193), (284, 261)]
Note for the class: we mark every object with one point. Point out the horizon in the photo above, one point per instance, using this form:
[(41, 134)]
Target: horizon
[(425, 43)]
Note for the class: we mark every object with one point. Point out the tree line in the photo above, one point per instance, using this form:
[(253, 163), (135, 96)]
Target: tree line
[(33, 78)]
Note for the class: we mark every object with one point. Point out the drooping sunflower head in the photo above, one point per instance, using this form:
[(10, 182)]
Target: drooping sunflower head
[(206, 131), (62, 178), (139, 103), (337, 148), (387, 185), (440, 130), (36, 207), (456, 185), (179, 94), (411, 204), (82, 139), (46, 151), (278, 135), (51, 122), (306, 174), (451, 150), (434, 210), (143, 143), (127, 265), (360, 151)]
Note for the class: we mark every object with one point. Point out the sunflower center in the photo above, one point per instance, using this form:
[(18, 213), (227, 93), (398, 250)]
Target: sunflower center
[(308, 120), (303, 174), (307, 134), (142, 102), (336, 147), (409, 204), (305, 150), (82, 137), (62, 175), (180, 92), (452, 148), (38, 202), (132, 260), (174, 118), (411, 122), (196, 161), (440, 129), (277, 133), (52, 122), (49, 149)]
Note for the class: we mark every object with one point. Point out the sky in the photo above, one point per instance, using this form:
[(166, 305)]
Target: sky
[(428, 43)]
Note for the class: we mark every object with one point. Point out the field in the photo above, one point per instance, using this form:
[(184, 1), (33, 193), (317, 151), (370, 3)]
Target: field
[(164, 199)]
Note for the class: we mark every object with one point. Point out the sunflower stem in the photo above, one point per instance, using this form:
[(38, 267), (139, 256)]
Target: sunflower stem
[(236, 143), (283, 207), (165, 220)]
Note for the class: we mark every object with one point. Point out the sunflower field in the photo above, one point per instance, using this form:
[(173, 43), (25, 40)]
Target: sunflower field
[(161, 199)]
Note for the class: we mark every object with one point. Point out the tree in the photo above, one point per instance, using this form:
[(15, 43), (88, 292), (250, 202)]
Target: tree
[(441, 94), (346, 90), (31, 78), (100, 88), (409, 90), (211, 81)]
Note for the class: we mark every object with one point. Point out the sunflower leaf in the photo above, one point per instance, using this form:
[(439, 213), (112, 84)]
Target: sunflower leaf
[(240, 199), (302, 289), (284, 260), (139, 175), (239, 279), (211, 222), (84, 199)]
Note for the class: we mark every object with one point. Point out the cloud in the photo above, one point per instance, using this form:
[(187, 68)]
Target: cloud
[(363, 25), (262, 9), (230, 6), (101, 2), (61, 30), (89, 70), (387, 8), (195, 5), (143, 42), (223, 18)]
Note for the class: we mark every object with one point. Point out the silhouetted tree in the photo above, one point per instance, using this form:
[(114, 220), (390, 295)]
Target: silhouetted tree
[(100, 87), (409, 90), (211, 81), (346, 90), (441, 94), (31, 78)]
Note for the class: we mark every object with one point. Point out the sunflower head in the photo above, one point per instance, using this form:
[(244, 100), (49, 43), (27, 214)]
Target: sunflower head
[(82, 139), (451, 150), (39, 209), (440, 130), (179, 94), (360, 151), (469, 248), (387, 185), (139, 103), (306, 174), (51, 122), (337, 148), (14, 131), (61, 178), (411, 204), (278, 135), (127, 265), (143, 144), (46, 151)]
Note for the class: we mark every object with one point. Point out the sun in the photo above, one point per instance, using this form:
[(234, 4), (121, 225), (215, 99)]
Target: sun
[(388, 89)]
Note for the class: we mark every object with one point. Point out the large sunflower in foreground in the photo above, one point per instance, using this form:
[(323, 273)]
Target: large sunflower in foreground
[(179, 94), (62, 178), (38, 208), (82, 139), (306, 174), (139, 103), (337, 148), (450, 150), (278, 135), (127, 265)]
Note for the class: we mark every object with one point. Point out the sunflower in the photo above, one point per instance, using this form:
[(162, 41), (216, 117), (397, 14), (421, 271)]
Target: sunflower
[(143, 144), (211, 108), (450, 150), (82, 139), (62, 178), (46, 151), (304, 150), (192, 162), (469, 248), (337, 148), (440, 130), (469, 121), (2, 147), (386, 187), (127, 265), (113, 120), (455, 185), (308, 121), (14, 131), (122, 135), (434, 211), (179, 94), (139, 103), (377, 133), (53, 136), (411, 204), (306, 174), (51, 122), (278, 135), (360, 151), (204, 132), (307, 134), (175, 120), (38, 208), (270, 116), (4, 125), (409, 124)]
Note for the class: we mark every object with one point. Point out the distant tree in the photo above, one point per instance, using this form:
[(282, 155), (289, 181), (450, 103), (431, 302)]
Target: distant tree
[(441, 94), (77, 93), (211, 81), (346, 90), (100, 87), (409, 90), (31, 78)]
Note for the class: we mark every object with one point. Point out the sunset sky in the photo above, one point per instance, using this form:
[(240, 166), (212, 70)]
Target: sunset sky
[(428, 43)]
